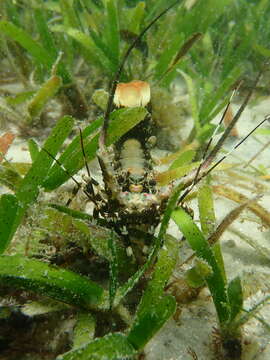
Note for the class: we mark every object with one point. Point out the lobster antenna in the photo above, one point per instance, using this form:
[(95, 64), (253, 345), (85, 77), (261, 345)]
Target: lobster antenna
[(84, 156), (267, 118), (210, 158), (62, 167), (213, 135), (227, 131), (91, 180), (204, 174), (69, 174), (221, 120), (103, 134)]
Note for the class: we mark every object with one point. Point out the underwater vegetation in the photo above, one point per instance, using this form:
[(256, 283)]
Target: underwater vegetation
[(100, 89)]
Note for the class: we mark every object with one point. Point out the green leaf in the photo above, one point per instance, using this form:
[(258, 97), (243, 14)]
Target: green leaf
[(157, 7), (138, 14), (84, 329), (75, 145), (150, 321), (43, 279), (199, 244), (206, 209), (100, 98), (167, 56), (163, 269), (33, 149), (25, 40), (13, 12), (168, 213), (28, 190), (20, 98), (71, 227), (193, 279), (210, 102), (40, 55), (195, 276), (114, 266), (202, 15), (29, 187), (112, 34), (43, 306), (183, 159), (219, 257), (205, 132), (235, 295), (178, 56), (9, 177), (90, 51), (110, 347), (68, 14), (167, 177), (8, 212), (74, 213), (106, 50), (262, 50), (44, 32), (251, 312), (193, 98), (46, 92)]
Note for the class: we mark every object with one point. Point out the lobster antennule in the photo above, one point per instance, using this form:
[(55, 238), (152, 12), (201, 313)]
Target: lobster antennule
[(103, 134)]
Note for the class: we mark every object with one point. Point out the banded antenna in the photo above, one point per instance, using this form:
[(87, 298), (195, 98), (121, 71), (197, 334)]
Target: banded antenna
[(206, 165), (103, 134)]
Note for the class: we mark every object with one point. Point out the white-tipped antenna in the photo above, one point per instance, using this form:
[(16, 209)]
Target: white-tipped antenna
[(220, 121), (205, 173), (267, 118), (213, 135), (203, 169)]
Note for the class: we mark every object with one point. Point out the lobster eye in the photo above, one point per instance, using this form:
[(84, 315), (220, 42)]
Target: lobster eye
[(120, 179), (152, 182)]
